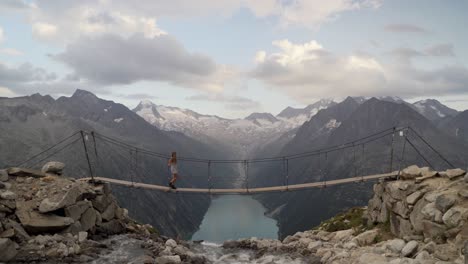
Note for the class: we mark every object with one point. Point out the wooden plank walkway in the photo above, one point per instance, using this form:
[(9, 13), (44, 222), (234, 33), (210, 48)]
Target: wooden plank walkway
[(294, 187)]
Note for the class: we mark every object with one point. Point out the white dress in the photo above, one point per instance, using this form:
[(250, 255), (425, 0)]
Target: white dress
[(174, 168)]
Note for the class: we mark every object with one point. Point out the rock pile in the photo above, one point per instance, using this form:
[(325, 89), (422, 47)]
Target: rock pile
[(426, 213)]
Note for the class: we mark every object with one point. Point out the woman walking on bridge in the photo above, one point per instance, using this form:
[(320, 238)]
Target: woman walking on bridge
[(173, 164)]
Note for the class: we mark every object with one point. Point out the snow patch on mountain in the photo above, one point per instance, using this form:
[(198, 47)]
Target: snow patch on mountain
[(433, 109)]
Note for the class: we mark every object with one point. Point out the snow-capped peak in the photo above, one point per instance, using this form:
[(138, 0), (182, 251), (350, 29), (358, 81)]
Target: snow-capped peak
[(433, 109)]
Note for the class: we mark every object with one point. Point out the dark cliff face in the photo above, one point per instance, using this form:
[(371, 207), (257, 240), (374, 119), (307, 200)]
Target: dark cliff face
[(29, 124), (305, 209)]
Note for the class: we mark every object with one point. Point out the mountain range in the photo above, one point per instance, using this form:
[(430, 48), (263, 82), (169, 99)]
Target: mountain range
[(31, 122), (243, 136)]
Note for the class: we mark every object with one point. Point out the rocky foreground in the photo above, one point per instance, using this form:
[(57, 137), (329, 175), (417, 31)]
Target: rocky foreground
[(420, 219), (48, 218)]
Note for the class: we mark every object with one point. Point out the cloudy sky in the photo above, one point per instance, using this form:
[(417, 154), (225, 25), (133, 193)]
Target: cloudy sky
[(229, 57)]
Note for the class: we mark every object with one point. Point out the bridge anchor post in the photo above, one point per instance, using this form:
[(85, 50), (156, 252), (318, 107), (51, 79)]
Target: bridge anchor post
[(87, 155)]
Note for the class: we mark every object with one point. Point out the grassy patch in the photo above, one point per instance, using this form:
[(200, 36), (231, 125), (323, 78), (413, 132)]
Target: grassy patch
[(152, 230), (353, 218)]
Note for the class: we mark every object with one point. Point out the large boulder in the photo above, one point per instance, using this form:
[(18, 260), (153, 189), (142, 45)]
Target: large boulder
[(76, 210), (444, 202), (454, 216), (410, 173), (409, 249), (53, 167), (168, 260), (22, 172), (109, 213), (35, 222), (7, 250), (454, 173), (88, 219), (111, 228), (60, 200), (3, 176)]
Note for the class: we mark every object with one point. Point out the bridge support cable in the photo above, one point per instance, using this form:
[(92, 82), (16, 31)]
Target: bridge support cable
[(363, 161), (55, 152), (431, 147), (84, 138), (419, 153), (391, 150), (47, 149)]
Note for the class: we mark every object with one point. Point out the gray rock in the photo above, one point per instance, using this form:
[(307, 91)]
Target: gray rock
[(101, 202), (412, 172), (366, 238), (368, 258), (9, 233), (7, 250), (22, 172), (60, 200), (430, 211), (88, 219), (409, 249), (76, 210), (8, 195), (414, 197), (111, 228), (168, 260), (463, 193), (314, 245), (444, 202), (35, 222), (20, 234), (395, 245), (400, 226), (3, 175), (454, 216), (434, 231), (82, 236), (109, 213), (53, 167), (171, 243), (454, 173)]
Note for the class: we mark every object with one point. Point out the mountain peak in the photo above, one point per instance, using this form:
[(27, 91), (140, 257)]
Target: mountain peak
[(266, 116), (83, 94), (146, 103)]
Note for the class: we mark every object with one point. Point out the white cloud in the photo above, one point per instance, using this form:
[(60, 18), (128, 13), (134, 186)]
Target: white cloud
[(2, 35), (70, 20), (308, 71), (112, 60), (5, 92), (11, 52), (44, 30)]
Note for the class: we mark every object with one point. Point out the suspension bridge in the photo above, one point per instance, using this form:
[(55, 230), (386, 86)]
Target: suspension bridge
[(90, 142)]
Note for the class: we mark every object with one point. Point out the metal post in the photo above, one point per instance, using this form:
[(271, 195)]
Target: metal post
[(209, 176), (354, 160), (325, 174), (87, 156), (391, 152), (287, 174), (363, 163), (246, 169), (403, 151)]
